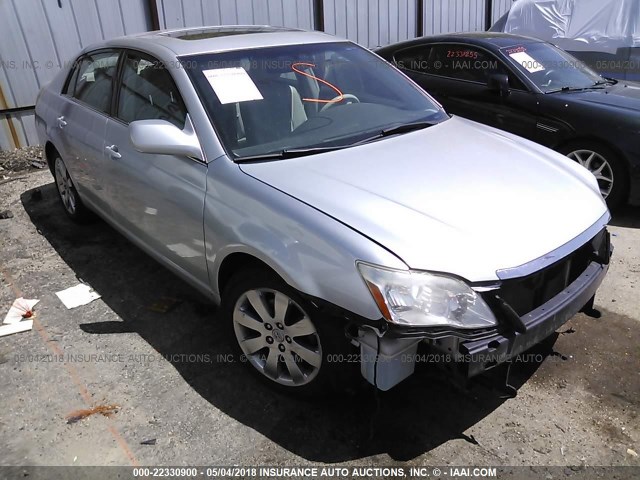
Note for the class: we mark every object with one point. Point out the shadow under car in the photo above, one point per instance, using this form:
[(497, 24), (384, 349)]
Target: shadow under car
[(421, 413)]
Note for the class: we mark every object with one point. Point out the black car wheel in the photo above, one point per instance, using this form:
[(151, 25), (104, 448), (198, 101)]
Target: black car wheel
[(608, 168)]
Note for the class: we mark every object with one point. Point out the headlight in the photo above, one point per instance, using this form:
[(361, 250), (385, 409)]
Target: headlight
[(426, 300)]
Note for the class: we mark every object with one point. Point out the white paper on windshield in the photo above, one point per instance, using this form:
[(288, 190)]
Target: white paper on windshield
[(232, 85), (527, 61)]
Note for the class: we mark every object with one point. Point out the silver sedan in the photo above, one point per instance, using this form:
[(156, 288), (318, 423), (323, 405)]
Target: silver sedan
[(333, 208)]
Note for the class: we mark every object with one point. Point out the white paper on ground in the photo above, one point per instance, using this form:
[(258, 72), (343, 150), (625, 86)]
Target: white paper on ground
[(76, 296), (528, 62), (232, 85), (19, 307), (16, 328)]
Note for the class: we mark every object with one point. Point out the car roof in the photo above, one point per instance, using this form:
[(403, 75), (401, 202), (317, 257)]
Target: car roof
[(485, 39), (221, 38)]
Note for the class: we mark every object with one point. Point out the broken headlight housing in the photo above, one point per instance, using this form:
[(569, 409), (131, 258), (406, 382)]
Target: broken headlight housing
[(421, 299)]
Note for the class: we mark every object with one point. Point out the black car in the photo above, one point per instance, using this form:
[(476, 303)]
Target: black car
[(533, 89)]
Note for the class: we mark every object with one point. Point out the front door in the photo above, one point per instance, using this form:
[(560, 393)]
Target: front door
[(157, 199)]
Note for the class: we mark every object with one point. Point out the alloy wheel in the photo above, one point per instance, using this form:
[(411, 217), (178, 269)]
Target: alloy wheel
[(65, 186), (277, 337), (598, 165)]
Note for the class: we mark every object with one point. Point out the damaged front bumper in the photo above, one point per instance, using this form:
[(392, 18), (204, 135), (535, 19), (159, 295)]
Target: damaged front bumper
[(480, 355), (390, 357)]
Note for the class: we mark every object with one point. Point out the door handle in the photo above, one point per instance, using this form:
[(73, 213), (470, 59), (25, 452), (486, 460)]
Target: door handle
[(61, 122), (113, 151)]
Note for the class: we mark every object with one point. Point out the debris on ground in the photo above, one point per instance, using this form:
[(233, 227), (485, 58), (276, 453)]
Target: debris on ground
[(6, 214), (632, 452), (164, 304), (77, 296), (38, 164), (151, 441), (20, 159), (20, 309), (12, 328), (104, 410)]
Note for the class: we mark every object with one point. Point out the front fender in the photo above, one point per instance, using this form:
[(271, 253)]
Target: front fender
[(311, 251)]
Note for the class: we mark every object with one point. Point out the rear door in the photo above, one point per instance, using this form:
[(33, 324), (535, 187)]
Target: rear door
[(157, 199), (457, 76), (81, 123)]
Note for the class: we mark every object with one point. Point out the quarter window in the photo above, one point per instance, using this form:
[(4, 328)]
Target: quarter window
[(93, 80), (71, 81), (148, 92)]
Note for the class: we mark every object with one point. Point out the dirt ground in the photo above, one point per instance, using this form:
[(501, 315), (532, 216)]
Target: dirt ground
[(577, 402)]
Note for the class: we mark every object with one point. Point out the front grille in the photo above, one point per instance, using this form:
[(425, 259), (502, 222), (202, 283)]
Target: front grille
[(528, 293)]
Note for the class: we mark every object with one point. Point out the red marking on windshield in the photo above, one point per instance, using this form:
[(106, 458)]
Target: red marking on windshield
[(462, 54), (317, 100)]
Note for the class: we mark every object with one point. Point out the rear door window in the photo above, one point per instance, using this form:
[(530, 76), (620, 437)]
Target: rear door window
[(93, 81)]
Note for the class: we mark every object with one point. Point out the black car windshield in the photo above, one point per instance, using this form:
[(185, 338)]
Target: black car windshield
[(550, 68), (315, 96)]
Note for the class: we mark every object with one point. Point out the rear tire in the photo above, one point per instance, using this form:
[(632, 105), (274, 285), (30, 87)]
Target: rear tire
[(610, 170), (282, 337), (67, 192)]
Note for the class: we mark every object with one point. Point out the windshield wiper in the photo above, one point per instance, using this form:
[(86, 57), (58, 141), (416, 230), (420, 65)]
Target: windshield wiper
[(606, 81), (595, 86), (396, 130), (287, 153), (303, 152)]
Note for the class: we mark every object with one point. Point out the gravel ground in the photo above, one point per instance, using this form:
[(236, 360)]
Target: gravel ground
[(169, 373)]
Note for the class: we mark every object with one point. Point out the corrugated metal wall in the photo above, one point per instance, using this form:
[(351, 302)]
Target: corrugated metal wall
[(500, 7), (192, 13), (38, 36), (371, 23), (445, 16), (374, 23)]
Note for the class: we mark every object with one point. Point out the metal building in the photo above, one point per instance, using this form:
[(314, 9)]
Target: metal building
[(37, 37)]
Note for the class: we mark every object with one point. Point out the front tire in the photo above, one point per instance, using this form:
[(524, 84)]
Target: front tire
[(282, 337), (609, 169), (67, 192)]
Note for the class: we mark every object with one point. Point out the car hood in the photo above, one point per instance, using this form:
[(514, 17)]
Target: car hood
[(458, 197), (623, 95)]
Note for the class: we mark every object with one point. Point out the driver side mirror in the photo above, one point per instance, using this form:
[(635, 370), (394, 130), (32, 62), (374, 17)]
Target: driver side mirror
[(499, 83)]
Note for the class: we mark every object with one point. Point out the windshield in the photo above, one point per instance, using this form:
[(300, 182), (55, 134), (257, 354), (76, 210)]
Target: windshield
[(550, 68), (326, 95)]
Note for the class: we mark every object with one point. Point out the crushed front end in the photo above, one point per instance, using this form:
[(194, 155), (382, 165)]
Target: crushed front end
[(527, 309)]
